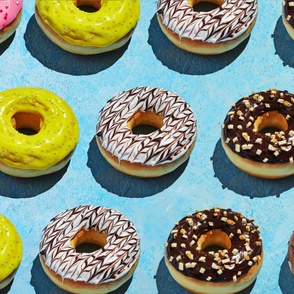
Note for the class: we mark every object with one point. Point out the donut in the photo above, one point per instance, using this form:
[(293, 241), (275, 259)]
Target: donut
[(38, 132), (207, 33), (214, 251), (258, 134), (75, 30), (290, 253), (288, 17), (146, 155), (101, 271), (10, 16), (10, 251)]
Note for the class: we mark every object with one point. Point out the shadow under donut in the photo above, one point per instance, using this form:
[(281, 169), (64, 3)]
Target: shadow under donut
[(43, 285), (241, 183), (15, 187), (124, 185), (166, 284), (286, 280), (185, 62), (283, 44), (57, 59), (5, 45)]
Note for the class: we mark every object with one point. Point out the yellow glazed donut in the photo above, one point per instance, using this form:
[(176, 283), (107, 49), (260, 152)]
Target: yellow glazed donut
[(55, 132), (81, 32), (211, 32), (10, 251)]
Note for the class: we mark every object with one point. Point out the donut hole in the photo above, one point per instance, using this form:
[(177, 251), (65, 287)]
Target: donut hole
[(145, 122), (271, 122), (88, 5), (205, 6), (87, 241), (214, 240), (27, 123)]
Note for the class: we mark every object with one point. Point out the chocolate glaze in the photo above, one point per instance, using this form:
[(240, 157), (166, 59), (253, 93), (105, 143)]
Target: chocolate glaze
[(288, 11), (274, 148), (226, 265), (165, 145)]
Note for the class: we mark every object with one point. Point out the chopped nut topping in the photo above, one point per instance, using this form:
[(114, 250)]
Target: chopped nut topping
[(181, 266)]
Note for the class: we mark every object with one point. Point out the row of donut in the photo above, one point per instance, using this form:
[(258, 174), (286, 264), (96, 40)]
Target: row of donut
[(257, 133), (207, 251), (246, 138), (112, 23)]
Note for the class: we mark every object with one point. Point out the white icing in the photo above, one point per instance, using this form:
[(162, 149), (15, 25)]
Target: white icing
[(226, 22), (106, 264), (164, 145)]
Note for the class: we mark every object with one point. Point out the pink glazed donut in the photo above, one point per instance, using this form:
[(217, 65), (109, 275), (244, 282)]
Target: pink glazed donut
[(10, 15)]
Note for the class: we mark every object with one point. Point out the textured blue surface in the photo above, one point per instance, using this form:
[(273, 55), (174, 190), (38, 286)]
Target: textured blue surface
[(210, 85)]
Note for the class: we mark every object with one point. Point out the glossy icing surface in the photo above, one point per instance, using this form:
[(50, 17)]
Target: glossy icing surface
[(226, 22), (112, 21), (9, 9), (164, 145), (10, 248), (186, 256), (110, 262), (241, 134), (57, 137)]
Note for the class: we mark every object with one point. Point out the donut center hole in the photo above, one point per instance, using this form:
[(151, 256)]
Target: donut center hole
[(87, 241), (271, 122), (27, 123), (88, 5), (145, 122), (214, 240), (205, 6)]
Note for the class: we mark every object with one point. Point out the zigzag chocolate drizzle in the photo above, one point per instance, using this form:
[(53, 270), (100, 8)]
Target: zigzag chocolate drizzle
[(226, 22), (164, 145), (103, 265)]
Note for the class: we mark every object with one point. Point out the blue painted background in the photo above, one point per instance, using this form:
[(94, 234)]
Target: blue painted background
[(210, 84)]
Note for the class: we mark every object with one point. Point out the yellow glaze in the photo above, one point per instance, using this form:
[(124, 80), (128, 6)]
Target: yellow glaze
[(10, 248), (57, 135), (113, 20)]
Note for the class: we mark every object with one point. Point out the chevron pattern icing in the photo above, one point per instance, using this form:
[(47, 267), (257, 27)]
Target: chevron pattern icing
[(226, 22), (164, 145), (103, 265)]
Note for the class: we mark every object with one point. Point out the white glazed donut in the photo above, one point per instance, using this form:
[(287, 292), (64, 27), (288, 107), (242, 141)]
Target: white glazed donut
[(146, 155), (211, 32), (101, 271), (214, 251)]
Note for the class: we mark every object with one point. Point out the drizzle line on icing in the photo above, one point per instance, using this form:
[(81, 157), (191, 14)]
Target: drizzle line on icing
[(164, 145), (103, 265)]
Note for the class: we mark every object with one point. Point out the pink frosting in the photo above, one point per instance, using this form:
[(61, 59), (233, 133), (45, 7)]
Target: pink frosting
[(9, 9)]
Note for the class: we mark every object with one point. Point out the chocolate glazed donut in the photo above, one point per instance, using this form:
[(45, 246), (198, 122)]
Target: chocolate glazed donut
[(214, 251), (258, 134)]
